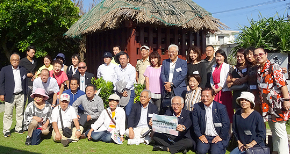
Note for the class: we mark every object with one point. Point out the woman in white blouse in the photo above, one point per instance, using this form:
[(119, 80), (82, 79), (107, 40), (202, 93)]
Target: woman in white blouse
[(111, 120)]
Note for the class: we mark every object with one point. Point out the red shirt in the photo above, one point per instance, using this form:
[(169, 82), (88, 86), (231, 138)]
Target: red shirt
[(60, 78)]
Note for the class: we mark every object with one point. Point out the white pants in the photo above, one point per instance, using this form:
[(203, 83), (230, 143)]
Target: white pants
[(280, 137), (138, 131), (18, 102)]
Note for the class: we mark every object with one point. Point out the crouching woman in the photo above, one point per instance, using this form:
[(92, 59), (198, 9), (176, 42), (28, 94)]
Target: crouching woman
[(37, 117), (111, 120)]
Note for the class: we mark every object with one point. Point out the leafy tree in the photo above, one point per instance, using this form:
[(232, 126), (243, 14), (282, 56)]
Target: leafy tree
[(39, 23), (272, 33)]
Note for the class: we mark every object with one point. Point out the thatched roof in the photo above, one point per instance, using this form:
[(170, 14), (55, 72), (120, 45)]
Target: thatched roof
[(108, 14)]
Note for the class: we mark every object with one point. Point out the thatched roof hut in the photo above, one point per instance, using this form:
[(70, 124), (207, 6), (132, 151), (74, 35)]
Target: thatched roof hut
[(133, 23), (108, 14)]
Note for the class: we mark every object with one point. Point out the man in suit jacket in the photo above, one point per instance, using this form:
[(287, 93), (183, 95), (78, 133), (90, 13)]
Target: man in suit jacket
[(141, 114), (211, 124), (173, 73), (13, 88), (183, 141), (83, 76)]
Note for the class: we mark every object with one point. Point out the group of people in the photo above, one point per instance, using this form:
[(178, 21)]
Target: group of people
[(211, 99)]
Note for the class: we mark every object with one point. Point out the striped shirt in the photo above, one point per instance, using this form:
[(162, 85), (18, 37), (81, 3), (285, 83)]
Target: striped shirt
[(192, 97), (31, 110)]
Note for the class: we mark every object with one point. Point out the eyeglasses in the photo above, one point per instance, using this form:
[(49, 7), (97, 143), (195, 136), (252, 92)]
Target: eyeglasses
[(175, 104), (16, 60), (82, 67), (260, 55)]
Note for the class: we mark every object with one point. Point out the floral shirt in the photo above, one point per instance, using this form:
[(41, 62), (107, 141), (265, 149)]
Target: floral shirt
[(270, 80)]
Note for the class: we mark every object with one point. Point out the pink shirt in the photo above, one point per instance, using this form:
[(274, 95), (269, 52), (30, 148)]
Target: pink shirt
[(60, 78), (154, 79)]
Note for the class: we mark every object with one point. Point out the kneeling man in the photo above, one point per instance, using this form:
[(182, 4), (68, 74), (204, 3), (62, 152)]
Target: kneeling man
[(62, 117), (183, 141), (141, 114), (211, 124)]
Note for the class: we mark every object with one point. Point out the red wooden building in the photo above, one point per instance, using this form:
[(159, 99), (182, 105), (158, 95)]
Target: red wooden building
[(131, 24)]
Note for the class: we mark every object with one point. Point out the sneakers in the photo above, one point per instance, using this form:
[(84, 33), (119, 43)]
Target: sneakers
[(19, 132), (28, 141), (7, 134)]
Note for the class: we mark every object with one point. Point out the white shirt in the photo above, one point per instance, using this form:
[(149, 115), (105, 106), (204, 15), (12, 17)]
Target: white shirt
[(50, 86), (107, 72), (171, 71), (17, 80), (143, 118), (83, 82), (209, 128), (103, 122), (67, 116), (128, 74)]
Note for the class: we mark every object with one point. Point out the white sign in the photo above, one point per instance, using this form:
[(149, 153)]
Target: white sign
[(165, 124)]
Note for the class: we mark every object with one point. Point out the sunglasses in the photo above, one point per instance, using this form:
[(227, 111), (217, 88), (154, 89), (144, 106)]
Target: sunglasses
[(82, 67)]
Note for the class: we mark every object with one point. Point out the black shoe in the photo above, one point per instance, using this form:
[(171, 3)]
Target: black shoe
[(7, 134), (28, 141), (19, 132), (65, 143), (158, 148)]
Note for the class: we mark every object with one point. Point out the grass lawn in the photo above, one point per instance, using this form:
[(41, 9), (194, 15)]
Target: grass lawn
[(16, 144)]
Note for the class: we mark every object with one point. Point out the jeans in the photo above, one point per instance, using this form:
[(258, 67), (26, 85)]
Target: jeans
[(128, 107), (237, 151), (104, 136), (36, 137)]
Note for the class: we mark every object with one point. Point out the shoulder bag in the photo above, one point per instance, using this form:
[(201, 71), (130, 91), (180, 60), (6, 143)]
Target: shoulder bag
[(67, 132)]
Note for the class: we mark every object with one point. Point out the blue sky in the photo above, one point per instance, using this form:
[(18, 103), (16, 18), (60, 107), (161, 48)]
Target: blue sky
[(236, 13)]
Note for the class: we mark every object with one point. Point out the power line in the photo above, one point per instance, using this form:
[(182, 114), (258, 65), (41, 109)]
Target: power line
[(250, 6)]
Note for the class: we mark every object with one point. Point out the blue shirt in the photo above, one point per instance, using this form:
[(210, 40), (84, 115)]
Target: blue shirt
[(74, 97)]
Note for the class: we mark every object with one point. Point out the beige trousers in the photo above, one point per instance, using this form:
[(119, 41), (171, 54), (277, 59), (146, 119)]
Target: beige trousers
[(280, 137), (18, 102), (33, 125), (73, 137)]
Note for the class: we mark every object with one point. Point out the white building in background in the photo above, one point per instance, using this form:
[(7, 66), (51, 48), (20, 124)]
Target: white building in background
[(223, 39)]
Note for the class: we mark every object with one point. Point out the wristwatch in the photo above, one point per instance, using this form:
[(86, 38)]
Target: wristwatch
[(78, 130)]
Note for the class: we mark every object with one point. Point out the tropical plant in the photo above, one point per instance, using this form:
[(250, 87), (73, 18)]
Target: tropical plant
[(138, 88), (271, 33), (107, 89), (39, 23)]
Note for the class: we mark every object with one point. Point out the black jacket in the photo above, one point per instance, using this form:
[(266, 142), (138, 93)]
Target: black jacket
[(88, 77)]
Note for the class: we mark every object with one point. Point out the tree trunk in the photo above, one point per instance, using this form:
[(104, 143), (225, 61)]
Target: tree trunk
[(6, 50)]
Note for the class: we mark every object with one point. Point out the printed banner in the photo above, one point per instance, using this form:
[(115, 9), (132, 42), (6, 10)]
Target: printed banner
[(165, 124)]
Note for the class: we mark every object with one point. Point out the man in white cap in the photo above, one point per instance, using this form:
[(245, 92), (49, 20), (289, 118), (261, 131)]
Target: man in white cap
[(142, 64), (62, 117)]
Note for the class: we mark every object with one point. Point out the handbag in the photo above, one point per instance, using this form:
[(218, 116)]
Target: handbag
[(115, 135), (242, 87), (166, 101), (67, 132), (258, 150)]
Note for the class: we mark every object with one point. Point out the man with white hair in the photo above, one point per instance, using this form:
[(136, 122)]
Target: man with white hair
[(141, 114), (142, 64), (183, 141), (13, 88), (173, 74)]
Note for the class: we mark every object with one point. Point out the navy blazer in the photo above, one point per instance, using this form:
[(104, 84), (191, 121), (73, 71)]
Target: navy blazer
[(183, 119), (220, 115), (88, 77), (135, 114), (179, 75), (7, 83)]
